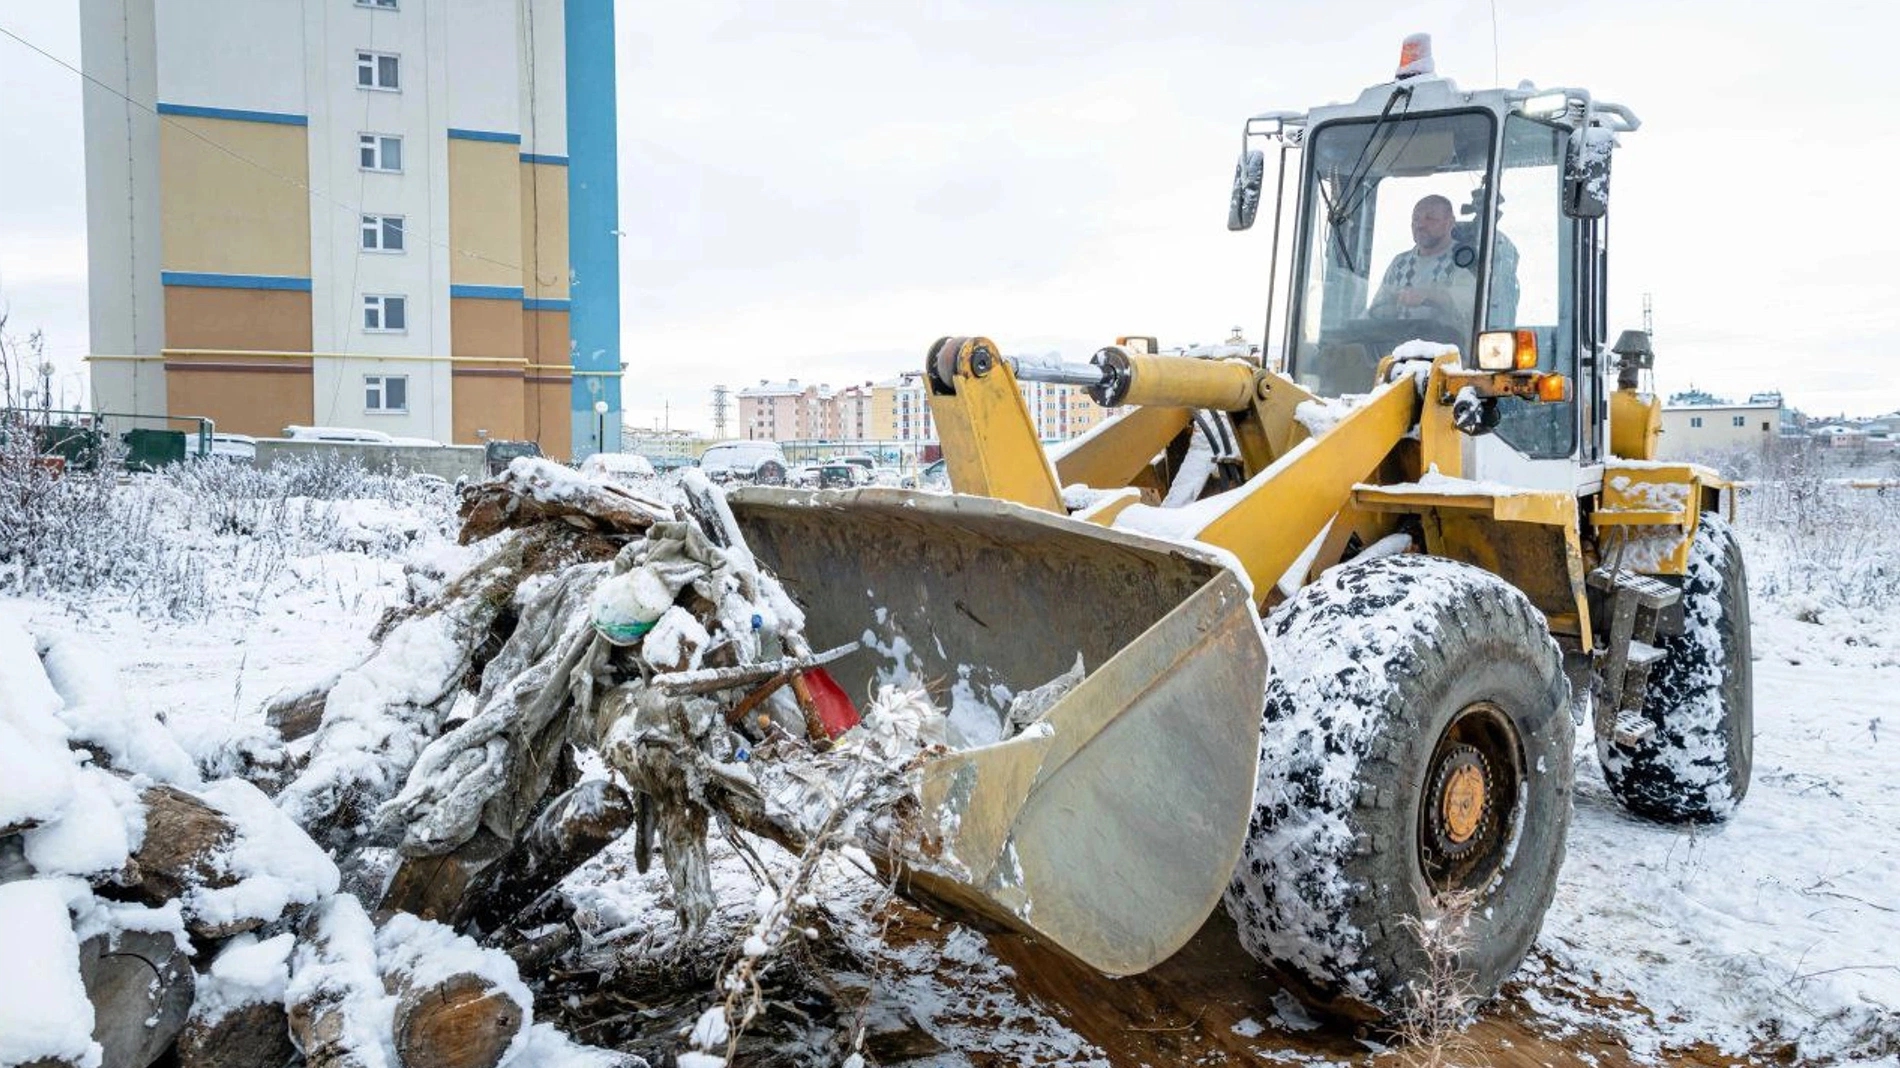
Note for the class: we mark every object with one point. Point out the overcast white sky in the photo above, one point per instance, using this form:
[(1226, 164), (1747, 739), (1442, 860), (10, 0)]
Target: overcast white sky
[(820, 189)]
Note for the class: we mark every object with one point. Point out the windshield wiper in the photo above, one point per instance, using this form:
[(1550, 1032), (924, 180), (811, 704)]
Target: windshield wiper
[(1355, 187)]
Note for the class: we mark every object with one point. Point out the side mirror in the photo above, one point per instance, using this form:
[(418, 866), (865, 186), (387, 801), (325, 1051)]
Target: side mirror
[(1587, 173), (1249, 174)]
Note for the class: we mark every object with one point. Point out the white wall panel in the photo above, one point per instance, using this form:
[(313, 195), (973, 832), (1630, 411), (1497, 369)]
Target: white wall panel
[(241, 54), (483, 66), (543, 106)]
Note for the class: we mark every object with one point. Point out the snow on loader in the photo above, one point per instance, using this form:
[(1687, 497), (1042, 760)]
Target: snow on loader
[(1454, 524)]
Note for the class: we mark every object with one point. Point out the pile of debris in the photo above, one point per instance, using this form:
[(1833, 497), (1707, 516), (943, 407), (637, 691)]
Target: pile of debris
[(148, 910), (601, 664), (369, 893)]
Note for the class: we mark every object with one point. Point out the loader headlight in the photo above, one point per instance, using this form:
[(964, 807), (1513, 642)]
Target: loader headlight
[(1545, 105), (1507, 350)]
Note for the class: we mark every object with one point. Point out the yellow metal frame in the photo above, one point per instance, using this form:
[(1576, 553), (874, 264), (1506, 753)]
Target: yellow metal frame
[(1346, 482)]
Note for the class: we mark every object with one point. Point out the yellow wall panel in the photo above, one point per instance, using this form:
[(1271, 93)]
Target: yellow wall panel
[(485, 204), (544, 231), (222, 215)]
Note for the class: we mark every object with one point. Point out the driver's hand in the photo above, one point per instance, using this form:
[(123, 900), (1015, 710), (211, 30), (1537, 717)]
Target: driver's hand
[(1411, 298)]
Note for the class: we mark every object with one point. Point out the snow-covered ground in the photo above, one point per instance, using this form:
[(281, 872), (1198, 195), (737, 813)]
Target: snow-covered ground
[(1778, 929)]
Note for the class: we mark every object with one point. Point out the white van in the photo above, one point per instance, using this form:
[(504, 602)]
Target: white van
[(344, 434)]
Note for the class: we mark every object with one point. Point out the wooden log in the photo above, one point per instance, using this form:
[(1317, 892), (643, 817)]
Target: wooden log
[(297, 715), (140, 987), (573, 827), (444, 888), (333, 986), (463, 1021), (249, 1036), (184, 838), (514, 501)]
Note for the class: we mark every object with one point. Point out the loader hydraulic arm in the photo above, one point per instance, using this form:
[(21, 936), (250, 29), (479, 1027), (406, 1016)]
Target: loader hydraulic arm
[(1297, 484)]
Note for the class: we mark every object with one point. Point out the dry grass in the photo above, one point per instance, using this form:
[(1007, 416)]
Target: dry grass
[(1439, 1005)]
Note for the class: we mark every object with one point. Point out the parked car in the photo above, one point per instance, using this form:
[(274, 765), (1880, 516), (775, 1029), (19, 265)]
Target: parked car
[(241, 448), (617, 466), (745, 461), (349, 435), (932, 477), (836, 475), (345, 434), (499, 454)]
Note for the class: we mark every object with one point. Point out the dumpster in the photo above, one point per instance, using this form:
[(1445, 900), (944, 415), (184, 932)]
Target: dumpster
[(147, 450)]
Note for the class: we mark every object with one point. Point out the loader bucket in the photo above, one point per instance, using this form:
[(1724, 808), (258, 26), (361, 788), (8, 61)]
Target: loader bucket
[(1110, 825)]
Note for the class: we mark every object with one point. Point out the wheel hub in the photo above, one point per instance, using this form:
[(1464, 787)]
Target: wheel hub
[(1463, 792), (1470, 798)]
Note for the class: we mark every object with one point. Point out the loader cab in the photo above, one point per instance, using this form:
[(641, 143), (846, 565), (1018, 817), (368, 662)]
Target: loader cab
[(1526, 177)]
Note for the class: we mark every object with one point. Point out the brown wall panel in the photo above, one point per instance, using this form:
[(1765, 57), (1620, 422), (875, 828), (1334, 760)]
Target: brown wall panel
[(242, 396), (544, 337), (550, 400), (486, 327), (260, 320), (488, 398)]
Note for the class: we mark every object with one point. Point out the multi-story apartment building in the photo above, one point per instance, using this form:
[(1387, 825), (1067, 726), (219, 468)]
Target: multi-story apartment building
[(893, 410), (398, 215), (778, 411)]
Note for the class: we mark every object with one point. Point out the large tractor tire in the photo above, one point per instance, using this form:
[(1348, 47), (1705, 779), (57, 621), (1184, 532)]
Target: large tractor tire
[(1417, 742), (1695, 767)]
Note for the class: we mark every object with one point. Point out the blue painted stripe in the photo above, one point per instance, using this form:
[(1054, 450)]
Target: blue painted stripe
[(546, 304), (536, 157), (484, 135), (486, 292), (234, 281), (277, 117)]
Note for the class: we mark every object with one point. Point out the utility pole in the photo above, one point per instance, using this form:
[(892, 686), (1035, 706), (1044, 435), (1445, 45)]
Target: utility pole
[(1649, 322), (722, 401)]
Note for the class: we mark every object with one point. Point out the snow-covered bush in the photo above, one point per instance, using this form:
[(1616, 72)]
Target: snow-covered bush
[(1819, 537), (200, 537)]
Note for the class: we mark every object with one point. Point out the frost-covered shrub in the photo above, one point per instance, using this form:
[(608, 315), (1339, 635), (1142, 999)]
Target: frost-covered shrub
[(1817, 537), (200, 537)]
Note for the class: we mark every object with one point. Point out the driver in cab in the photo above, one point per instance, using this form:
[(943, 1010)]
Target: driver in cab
[(1428, 281)]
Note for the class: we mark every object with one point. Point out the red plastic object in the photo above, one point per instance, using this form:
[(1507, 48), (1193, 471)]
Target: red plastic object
[(835, 711)]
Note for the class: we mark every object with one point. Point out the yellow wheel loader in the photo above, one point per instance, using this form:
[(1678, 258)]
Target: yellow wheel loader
[(1440, 514)]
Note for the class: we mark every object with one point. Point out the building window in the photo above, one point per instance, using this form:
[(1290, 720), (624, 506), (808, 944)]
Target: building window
[(1741, 420), (382, 233), (380, 152), (386, 393), (377, 70), (385, 315), (1695, 420), (1764, 428), (386, 5)]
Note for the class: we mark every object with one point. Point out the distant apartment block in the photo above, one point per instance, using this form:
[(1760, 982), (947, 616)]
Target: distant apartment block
[(893, 410), (398, 215)]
